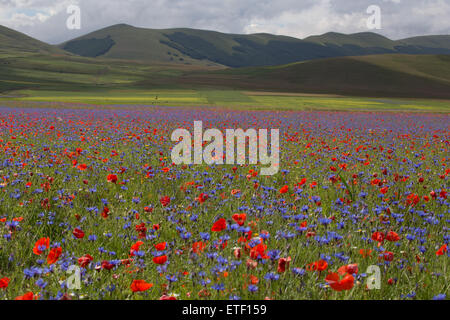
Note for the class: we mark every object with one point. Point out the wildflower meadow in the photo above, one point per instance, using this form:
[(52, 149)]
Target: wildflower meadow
[(93, 207)]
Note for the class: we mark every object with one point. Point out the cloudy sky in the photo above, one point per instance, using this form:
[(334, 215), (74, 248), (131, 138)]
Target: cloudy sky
[(46, 19)]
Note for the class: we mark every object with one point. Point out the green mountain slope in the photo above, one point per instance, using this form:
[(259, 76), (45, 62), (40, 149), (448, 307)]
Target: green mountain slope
[(362, 39), (414, 76), (430, 42), (190, 46), (201, 47), (12, 41), (128, 43), (366, 43)]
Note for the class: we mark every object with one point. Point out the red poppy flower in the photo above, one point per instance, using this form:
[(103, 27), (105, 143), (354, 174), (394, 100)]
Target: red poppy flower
[(41, 245), (148, 209), (26, 296), (140, 285), (384, 190), (259, 251), (253, 279), (339, 285), (219, 225), (350, 269), (392, 236), (239, 218), (78, 233), (107, 265), (365, 252), (160, 246), (53, 255), (320, 265), (302, 182), (198, 247), (412, 199), (160, 259), (378, 236), (165, 201), (135, 247), (441, 250), (202, 197), (375, 182), (141, 227), (388, 256), (126, 261), (111, 178), (284, 189), (85, 260), (235, 191), (4, 282), (105, 212), (283, 264)]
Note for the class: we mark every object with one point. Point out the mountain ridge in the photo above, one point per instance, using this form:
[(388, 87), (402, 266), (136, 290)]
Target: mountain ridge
[(194, 46), (213, 48)]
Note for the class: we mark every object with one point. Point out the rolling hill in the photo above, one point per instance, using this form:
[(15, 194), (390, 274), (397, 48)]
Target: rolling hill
[(389, 75), (12, 41), (191, 46), (431, 42)]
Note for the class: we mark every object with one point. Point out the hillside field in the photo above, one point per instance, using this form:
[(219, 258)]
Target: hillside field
[(249, 100), (381, 82)]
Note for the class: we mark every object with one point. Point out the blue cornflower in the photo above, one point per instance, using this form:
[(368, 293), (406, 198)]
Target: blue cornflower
[(252, 288), (41, 283), (218, 287), (298, 271), (271, 276)]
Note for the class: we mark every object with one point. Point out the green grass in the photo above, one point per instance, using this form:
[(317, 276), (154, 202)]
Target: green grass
[(228, 99)]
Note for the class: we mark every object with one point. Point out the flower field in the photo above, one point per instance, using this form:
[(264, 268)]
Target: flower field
[(95, 192)]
